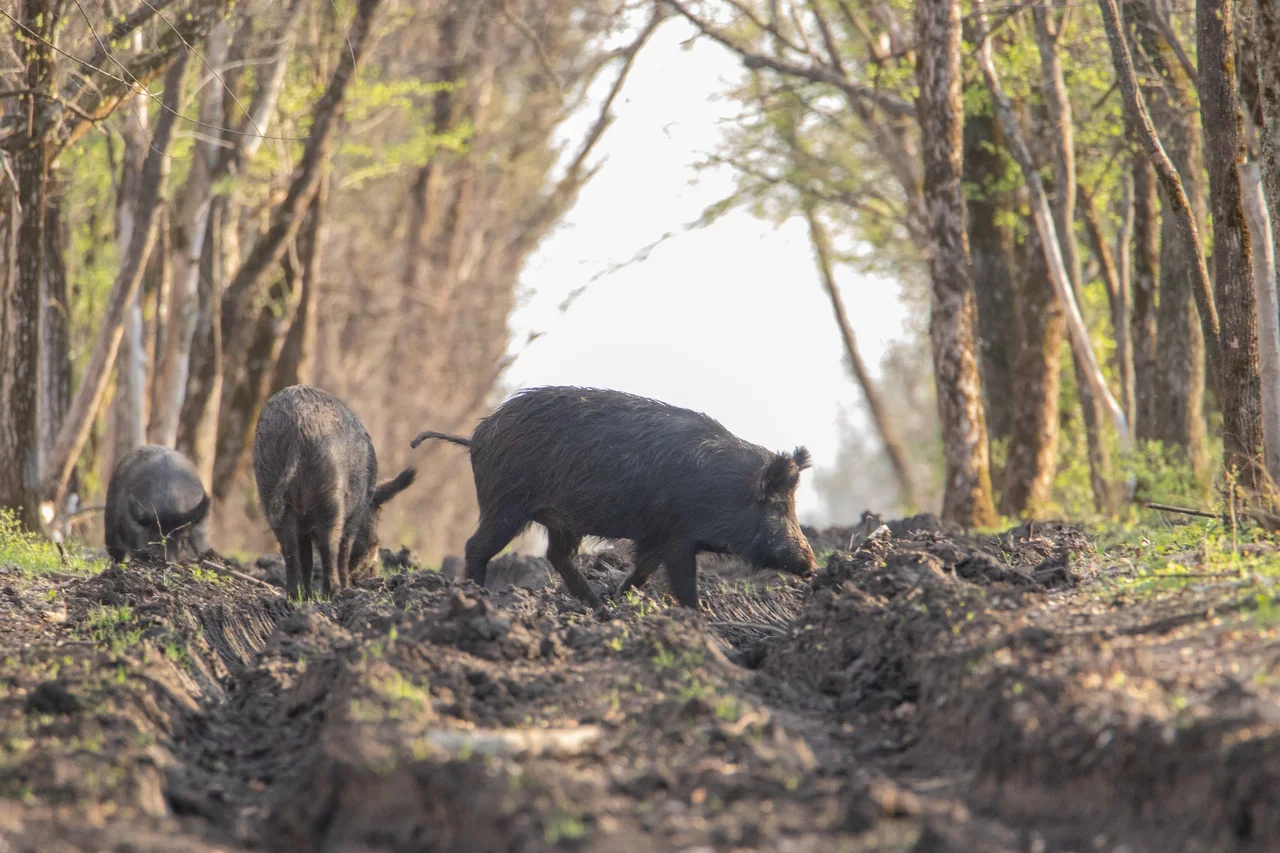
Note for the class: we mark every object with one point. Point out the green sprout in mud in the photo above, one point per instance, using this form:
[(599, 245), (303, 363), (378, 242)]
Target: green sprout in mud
[(614, 643), (563, 826), (664, 659), (106, 626), (729, 709), (179, 655), (206, 575)]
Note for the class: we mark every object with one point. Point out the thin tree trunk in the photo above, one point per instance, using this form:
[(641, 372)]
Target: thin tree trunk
[(1264, 280), (19, 380), (1178, 411), (894, 447), (1081, 346), (93, 383), (183, 311), (1146, 272), (296, 365), (1117, 298), (991, 247), (1124, 263), (55, 339), (1267, 20), (967, 489), (1239, 388), (235, 423), (131, 363), (1033, 446), (1062, 142)]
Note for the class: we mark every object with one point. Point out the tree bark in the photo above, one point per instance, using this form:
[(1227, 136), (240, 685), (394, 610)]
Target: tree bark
[(1033, 446), (1062, 143), (1264, 280), (55, 337), (131, 363), (1239, 387), (894, 447), (1178, 410), (93, 383), (991, 246), (235, 422), (19, 381), (1267, 21), (967, 490), (1117, 297), (1145, 274), (173, 363), (296, 364)]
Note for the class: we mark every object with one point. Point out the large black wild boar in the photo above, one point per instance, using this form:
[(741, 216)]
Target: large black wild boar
[(317, 479), (593, 462), (155, 504)]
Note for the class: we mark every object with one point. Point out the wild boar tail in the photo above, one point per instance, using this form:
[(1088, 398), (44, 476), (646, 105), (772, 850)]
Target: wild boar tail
[(170, 522), (443, 436), (388, 489)]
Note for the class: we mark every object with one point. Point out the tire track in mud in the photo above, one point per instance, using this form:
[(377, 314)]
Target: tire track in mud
[(928, 692)]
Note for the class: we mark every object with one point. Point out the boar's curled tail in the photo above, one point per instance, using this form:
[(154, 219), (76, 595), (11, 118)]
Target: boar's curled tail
[(169, 522), (388, 489), (443, 436)]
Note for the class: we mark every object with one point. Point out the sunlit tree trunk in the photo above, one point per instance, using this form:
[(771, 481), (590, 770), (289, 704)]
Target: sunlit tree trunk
[(1239, 384), (991, 246), (967, 490), (1033, 447), (129, 405), (1178, 404), (20, 354)]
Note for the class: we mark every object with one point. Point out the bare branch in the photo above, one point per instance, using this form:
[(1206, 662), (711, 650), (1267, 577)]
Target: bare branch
[(893, 106)]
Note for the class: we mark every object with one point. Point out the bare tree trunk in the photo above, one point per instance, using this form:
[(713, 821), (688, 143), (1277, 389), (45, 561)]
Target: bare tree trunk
[(991, 246), (894, 447), (1062, 141), (19, 380), (182, 314), (131, 362), (1264, 280), (1117, 296), (93, 383), (296, 365), (55, 338), (1124, 262), (1033, 446), (967, 491), (1178, 412), (1239, 389), (1145, 274), (1267, 21)]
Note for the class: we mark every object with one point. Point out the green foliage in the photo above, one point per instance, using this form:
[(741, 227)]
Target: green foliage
[(32, 554)]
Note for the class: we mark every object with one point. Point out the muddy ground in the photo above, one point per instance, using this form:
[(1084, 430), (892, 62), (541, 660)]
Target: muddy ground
[(924, 692)]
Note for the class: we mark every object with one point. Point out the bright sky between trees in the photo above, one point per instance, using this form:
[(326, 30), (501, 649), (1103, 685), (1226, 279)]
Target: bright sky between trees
[(731, 319)]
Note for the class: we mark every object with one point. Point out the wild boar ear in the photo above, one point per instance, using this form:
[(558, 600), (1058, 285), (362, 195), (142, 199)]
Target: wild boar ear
[(388, 489), (780, 477), (802, 458)]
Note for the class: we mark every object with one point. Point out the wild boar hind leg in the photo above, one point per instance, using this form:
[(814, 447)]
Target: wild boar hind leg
[(561, 546)]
